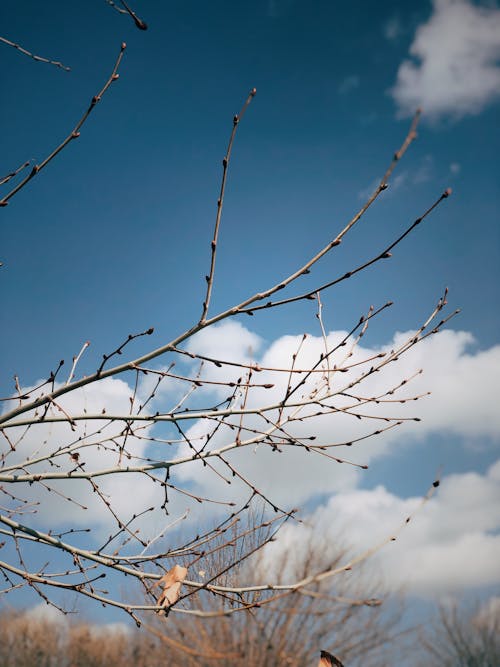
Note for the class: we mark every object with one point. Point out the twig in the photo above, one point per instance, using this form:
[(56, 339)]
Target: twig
[(75, 362), (12, 174), (32, 55), (319, 316), (138, 22), (242, 307), (220, 203), (384, 254), (37, 168)]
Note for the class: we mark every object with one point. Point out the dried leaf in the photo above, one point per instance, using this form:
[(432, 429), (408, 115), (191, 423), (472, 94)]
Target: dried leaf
[(171, 583)]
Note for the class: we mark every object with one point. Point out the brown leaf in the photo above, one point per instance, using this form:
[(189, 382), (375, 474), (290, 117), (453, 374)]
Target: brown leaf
[(171, 583), (329, 660)]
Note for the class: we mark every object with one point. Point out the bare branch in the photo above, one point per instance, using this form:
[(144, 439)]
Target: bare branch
[(32, 55), (126, 10), (186, 420), (220, 203), (74, 134)]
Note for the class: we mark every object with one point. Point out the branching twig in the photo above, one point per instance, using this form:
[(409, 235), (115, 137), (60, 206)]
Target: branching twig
[(37, 168), (153, 443), (138, 22), (13, 174)]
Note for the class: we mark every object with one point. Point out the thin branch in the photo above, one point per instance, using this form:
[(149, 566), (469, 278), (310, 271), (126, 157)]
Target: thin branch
[(138, 21), (32, 55), (12, 174), (173, 344), (384, 254), (74, 134), (220, 203), (76, 360)]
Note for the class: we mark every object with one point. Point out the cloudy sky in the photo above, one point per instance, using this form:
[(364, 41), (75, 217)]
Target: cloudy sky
[(114, 236)]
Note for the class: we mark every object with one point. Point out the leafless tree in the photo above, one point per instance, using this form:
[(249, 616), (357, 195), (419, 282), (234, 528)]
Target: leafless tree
[(347, 615), (462, 637), (34, 640), (62, 452), (28, 640)]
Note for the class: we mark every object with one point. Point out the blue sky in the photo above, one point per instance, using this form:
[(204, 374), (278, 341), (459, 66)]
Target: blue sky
[(114, 236)]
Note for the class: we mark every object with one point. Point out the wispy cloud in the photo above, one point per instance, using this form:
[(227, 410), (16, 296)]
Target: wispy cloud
[(405, 179), (454, 71), (424, 171), (395, 184), (392, 29), (458, 527), (348, 84)]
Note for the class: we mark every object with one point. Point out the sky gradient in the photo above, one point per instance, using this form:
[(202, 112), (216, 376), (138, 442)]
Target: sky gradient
[(114, 235)]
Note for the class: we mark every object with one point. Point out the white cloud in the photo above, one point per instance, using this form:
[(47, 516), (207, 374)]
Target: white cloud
[(465, 386), (47, 613), (455, 70), (463, 404), (455, 168), (231, 341), (452, 543), (87, 509), (107, 629)]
